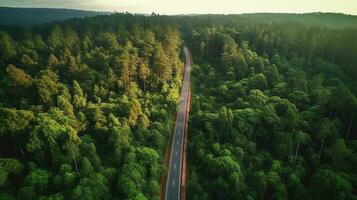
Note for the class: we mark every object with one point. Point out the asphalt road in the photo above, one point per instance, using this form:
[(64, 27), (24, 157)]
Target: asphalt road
[(173, 185)]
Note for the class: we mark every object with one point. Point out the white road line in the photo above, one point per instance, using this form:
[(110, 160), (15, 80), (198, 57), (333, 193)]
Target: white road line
[(174, 191)]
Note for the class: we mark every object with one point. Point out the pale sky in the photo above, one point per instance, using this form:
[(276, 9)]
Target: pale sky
[(195, 6)]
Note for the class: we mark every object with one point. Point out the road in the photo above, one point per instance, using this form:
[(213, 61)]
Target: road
[(173, 184)]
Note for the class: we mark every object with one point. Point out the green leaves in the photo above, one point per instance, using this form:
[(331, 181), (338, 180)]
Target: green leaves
[(47, 85), (8, 169), (7, 46), (286, 99), (18, 77), (302, 137), (79, 100), (95, 187), (38, 179), (14, 121), (327, 184), (11, 166)]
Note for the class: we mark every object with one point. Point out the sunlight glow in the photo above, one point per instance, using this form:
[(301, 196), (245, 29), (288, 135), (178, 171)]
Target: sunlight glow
[(195, 6)]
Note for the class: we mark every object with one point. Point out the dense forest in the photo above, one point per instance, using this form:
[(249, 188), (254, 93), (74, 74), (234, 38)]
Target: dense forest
[(331, 20), (87, 108), (274, 111)]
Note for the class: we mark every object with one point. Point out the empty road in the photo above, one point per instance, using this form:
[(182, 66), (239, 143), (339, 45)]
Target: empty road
[(173, 184)]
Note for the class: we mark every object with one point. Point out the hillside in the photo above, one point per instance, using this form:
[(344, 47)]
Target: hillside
[(331, 20), (31, 16)]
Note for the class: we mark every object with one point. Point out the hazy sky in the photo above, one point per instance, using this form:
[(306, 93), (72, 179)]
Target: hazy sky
[(194, 6)]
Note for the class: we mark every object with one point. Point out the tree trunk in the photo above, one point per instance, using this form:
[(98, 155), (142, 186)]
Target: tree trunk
[(321, 148), (207, 48), (349, 129), (75, 163), (309, 58), (297, 150), (330, 113), (22, 153), (290, 146), (333, 59)]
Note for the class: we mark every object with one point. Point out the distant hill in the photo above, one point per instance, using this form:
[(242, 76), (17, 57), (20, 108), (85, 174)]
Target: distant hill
[(32, 16), (331, 20)]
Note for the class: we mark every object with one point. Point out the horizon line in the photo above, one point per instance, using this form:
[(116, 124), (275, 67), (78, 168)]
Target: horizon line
[(165, 14)]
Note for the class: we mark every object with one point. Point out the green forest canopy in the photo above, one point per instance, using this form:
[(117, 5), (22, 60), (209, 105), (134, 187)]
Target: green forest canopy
[(87, 108)]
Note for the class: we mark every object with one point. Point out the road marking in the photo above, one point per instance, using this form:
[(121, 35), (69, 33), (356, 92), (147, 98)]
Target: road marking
[(181, 121)]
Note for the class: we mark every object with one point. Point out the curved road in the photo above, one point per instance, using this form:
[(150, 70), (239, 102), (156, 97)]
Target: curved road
[(173, 184)]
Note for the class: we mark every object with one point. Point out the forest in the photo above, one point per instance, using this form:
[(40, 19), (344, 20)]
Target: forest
[(87, 108), (274, 111)]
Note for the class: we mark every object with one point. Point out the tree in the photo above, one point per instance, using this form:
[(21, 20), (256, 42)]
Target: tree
[(95, 187), (52, 61), (131, 181), (149, 158), (301, 138), (27, 61), (108, 41), (64, 102), (86, 168), (52, 133), (229, 51), (39, 179), (258, 82), (119, 139), (18, 77), (70, 36), (8, 167), (3, 177), (325, 130), (14, 121), (161, 67), (327, 184), (7, 46), (78, 98), (256, 98), (225, 119), (144, 73), (135, 111), (112, 79), (47, 85), (124, 64), (241, 66), (55, 39), (143, 121)]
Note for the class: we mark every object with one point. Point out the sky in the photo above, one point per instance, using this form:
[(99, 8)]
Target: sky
[(195, 6)]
